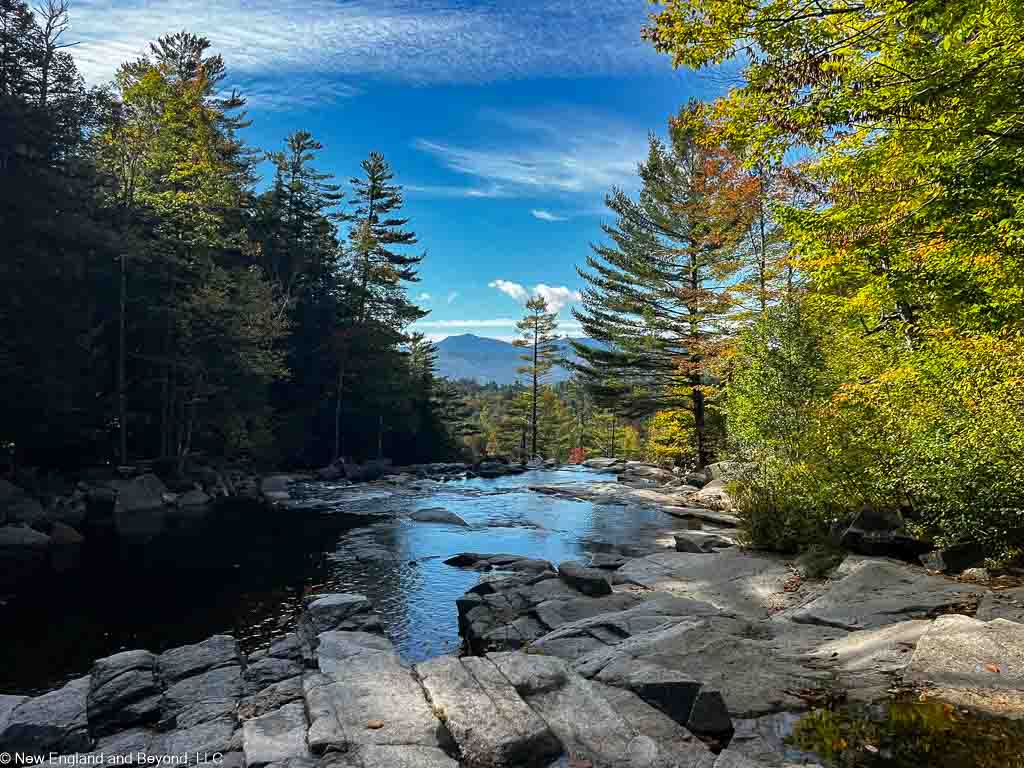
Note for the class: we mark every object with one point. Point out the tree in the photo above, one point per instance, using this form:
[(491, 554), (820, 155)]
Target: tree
[(537, 335), (660, 296)]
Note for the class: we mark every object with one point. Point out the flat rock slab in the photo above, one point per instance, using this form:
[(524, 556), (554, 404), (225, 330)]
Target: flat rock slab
[(698, 542), (585, 722), (590, 581), (368, 697), (53, 722), (739, 582), (874, 592), (377, 756), (276, 736), (188, 660), (491, 724), (437, 515), (976, 663), (702, 513)]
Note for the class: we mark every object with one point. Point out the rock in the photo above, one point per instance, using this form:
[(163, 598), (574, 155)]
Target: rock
[(763, 740), (881, 533), (501, 562), (695, 479), (204, 739), (743, 583), (701, 543), (330, 611), (635, 470), (385, 756), (367, 472), (670, 691), (7, 706), (491, 724), (202, 698), (269, 670), (437, 515), (589, 727), (1005, 604), (65, 547), (270, 698), (976, 575), (276, 736), (954, 559), (704, 515), (336, 648), (124, 692), (607, 561), (53, 722), (715, 496), (195, 498), (139, 510), (589, 581), (872, 593), (972, 663), (603, 463), (189, 660)]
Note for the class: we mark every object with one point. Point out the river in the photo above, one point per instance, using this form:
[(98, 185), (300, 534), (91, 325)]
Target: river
[(246, 576)]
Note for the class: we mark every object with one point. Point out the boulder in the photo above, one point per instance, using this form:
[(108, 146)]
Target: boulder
[(331, 611), (269, 670), (7, 705), (1005, 604), (637, 471), (276, 736), (954, 559), (189, 660), (589, 581), (881, 533), (124, 692), (714, 495), (701, 543), (704, 515), (270, 698), (53, 722), (873, 593), (972, 663), (139, 510), (604, 464), (608, 561), (491, 724), (695, 479), (437, 515), (23, 551)]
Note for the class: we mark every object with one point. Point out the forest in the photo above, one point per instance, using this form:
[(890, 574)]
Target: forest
[(821, 276), (158, 304)]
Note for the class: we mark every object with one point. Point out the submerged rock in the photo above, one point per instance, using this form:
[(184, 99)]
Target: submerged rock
[(437, 515)]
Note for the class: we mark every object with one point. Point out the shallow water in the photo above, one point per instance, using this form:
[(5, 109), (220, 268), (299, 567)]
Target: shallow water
[(247, 576)]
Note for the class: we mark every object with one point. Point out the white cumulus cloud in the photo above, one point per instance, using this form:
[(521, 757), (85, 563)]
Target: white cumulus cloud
[(557, 297), (540, 213)]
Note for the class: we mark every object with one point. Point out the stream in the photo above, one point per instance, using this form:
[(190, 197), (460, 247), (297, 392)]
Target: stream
[(246, 573)]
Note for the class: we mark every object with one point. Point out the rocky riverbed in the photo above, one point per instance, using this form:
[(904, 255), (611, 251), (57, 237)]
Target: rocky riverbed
[(689, 651)]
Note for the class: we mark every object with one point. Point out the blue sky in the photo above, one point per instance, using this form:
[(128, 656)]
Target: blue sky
[(506, 121)]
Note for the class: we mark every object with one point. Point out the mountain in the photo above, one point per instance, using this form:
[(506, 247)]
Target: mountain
[(484, 360)]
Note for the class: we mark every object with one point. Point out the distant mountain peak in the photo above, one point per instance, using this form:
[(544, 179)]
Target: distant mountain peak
[(483, 359)]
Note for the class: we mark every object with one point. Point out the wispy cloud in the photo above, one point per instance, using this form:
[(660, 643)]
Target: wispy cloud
[(419, 41), (452, 296), (556, 297), (424, 296), (539, 156), (443, 190), (498, 322), (540, 213)]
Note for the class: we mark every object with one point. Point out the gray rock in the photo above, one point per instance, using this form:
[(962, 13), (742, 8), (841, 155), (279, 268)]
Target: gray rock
[(972, 662), (763, 741), (199, 740), (139, 510), (22, 538), (269, 670), (188, 660), (743, 583), (646, 472), (881, 533), (872, 593), (1005, 604), (437, 515), (386, 756), (954, 559), (705, 515), (701, 543), (335, 649), (8, 705), (715, 496), (208, 696), (129, 742), (23, 552), (608, 561), (670, 691), (589, 581), (330, 611), (484, 714), (53, 722), (604, 463), (276, 736), (976, 575), (124, 692), (732, 759), (270, 698)]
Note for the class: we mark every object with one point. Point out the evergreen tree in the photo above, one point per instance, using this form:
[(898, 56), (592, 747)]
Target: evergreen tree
[(537, 335), (660, 295)]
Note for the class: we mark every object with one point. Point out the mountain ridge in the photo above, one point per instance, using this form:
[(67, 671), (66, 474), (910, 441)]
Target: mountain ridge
[(486, 360)]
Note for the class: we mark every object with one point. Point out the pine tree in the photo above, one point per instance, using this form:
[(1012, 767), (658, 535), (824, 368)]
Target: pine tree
[(537, 335), (660, 295)]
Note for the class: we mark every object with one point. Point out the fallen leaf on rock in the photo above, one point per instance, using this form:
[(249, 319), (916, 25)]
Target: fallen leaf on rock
[(992, 668), (375, 724)]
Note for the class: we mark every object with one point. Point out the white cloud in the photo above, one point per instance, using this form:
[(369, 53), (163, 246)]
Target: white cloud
[(515, 290), (557, 297), (443, 190), (540, 213), (424, 296), (498, 322), (452, 296), (542, 155), (419, 41)]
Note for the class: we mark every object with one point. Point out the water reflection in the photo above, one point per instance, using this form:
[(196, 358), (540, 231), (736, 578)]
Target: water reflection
[(248, 573)]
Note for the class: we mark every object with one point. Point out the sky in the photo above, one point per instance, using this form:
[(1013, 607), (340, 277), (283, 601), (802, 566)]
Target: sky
[(506, 121)]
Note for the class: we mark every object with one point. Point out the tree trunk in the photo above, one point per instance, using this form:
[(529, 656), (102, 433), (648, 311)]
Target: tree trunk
[(533, 440), (699, 426), (122, 410), (337, 412)]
